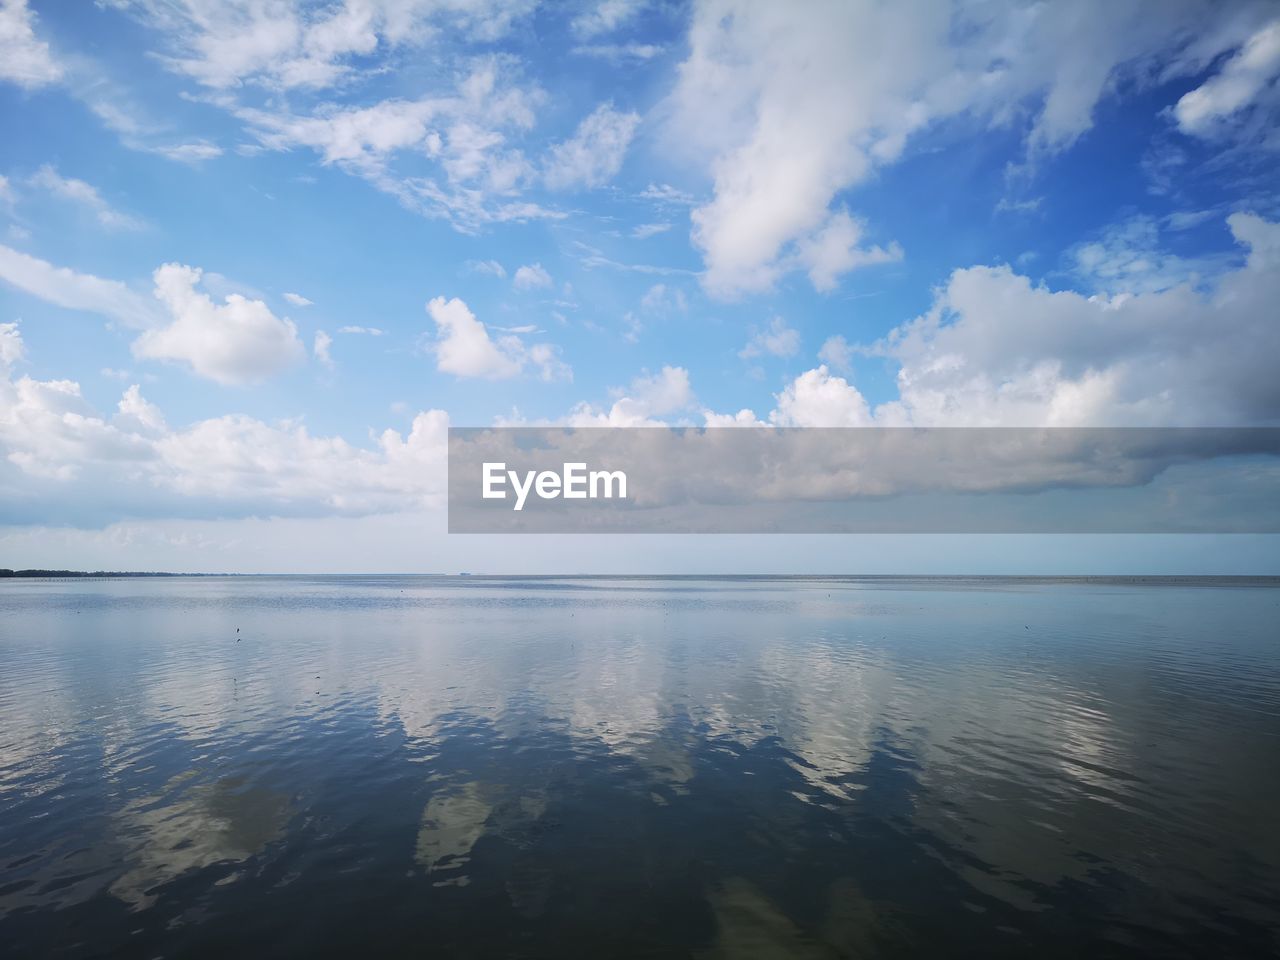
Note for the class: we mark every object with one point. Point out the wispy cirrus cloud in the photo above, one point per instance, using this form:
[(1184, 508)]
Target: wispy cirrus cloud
[(86, 195)]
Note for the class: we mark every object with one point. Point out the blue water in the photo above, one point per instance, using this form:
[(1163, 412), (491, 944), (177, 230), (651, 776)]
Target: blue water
[(474, 767)]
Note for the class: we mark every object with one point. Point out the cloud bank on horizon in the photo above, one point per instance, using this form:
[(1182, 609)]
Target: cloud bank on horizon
[(256, 257)]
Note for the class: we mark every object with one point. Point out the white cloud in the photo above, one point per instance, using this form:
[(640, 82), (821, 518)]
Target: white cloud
[(24, 58), (298, 45), (464, 348), (788, 110), (1241, 82), (219, 458), (591, 257), (238, 342), (298, 300), (115, 108), (618, 52), (648, 397), (466, 132), (743, 418), (836, 352), (532, 276), (190, 152), (605, 16), (368, 331), (491, 267), (644, 231), (818, 398), (1028, 206), (1127, 258), (661, 298), (545, 358), (777, 340), (136, 413), (833, 250), (11, 348), (76, 291), (996, 350), (134, 463), (320, 348), (77, 191), (362, 137), (666, 194), (593, 155)]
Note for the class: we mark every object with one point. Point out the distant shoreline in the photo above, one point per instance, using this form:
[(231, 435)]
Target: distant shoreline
[(957, 578), (100, 574)]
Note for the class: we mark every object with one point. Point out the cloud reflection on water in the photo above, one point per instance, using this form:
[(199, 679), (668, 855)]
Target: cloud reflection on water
[(784, 768)]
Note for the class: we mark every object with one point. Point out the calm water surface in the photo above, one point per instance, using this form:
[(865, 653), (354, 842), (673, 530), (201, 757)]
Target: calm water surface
[(408, 766)]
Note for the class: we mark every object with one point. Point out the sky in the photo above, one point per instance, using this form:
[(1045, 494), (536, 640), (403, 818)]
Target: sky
[(256, 256)]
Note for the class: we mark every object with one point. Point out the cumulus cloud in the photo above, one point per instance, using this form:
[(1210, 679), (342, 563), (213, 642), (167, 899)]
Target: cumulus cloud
[(368, 331), (463, 345), (85, 194), (24, 58), (532, 276), (996, 349), (464, 348), (237, 342), (788, 111), (818, 398), (298, 300), (594, 154), (776, 340), (649, 397), (132, 462)]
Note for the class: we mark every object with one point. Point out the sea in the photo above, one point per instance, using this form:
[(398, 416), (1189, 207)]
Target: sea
[(598, 767)]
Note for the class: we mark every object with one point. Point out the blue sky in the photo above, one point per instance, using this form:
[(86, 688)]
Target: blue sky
[(808, 214)]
